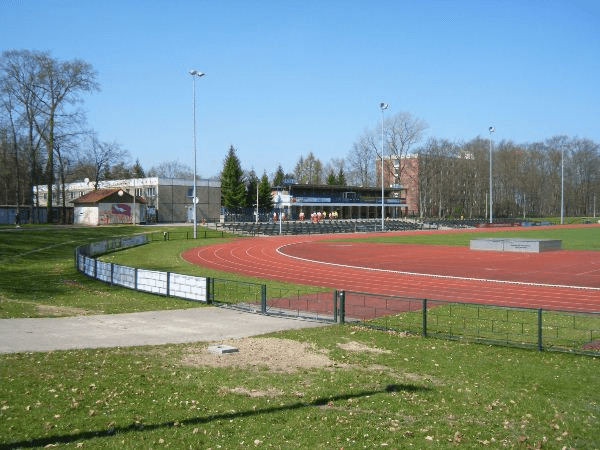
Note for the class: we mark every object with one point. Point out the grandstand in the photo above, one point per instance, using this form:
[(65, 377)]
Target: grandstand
[(322, 227)]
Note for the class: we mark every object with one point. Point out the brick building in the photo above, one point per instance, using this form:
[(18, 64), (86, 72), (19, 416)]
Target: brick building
[(402, 172)]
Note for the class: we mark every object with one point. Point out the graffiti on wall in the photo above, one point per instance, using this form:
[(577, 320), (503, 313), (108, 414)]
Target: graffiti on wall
[(121, 208), (114, 213)]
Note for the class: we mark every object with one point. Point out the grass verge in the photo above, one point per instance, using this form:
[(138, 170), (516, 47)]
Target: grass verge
[(370, 389), (38, 277)]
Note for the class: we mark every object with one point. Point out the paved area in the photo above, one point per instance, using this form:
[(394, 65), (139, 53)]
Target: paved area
[(145, 328)]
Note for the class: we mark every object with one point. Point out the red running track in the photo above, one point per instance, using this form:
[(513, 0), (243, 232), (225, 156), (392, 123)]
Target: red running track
[(560, 280)]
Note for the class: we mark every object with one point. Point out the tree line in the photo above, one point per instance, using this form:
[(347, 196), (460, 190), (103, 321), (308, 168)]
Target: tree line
[(528, 180), (453, 178), (44, 140)]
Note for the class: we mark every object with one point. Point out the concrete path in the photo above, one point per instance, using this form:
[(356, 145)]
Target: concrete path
[(145, 328)]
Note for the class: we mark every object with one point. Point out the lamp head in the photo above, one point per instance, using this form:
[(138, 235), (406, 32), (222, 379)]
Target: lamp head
[(196, 73), (492, 130), (383, 106)]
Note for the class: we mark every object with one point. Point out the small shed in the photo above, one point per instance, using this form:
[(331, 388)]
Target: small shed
[(108, 206)]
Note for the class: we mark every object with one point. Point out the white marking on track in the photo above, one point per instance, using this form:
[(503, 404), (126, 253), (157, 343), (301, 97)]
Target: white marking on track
[(449, 277)]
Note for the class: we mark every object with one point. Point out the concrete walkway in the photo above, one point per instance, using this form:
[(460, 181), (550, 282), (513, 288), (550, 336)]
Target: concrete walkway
[(145, 328)]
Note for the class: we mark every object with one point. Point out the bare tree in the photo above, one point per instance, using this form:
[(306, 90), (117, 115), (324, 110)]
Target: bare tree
[(171, 169), (21, 91), (60, 83), (100, 156), (361, 159), (402, 132), (308, 170)]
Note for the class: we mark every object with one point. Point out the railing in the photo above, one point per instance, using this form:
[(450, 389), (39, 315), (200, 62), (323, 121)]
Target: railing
[(542, 329), (178, 235), (536, 328), (337, 200)]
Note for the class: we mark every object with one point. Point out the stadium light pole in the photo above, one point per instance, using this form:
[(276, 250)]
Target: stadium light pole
[(492, 130), (195, 74), (562, 184), (383, 107)]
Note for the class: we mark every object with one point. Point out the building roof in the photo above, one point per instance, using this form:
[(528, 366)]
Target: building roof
[(107, 196), (332, 188)]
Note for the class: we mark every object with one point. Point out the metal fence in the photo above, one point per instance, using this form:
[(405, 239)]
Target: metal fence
[(255, 297), (232, 293), (184, 235), (541, 329)]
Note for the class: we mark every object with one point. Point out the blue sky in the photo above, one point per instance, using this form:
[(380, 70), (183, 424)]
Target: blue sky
[(284, 78)]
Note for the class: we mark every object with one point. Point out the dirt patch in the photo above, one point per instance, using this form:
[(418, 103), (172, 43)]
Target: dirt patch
[(63, 311), (271, 393), (274, 354), (359, 347), (284, 356)]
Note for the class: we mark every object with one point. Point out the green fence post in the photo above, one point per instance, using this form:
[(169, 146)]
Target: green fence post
[(335, 300), (263, 298), (342, 296), (539, 319), (209, 290), (424, 326)]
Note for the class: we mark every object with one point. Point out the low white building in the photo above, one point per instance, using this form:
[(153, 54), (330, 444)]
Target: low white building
[(166, 200), (108, 207)]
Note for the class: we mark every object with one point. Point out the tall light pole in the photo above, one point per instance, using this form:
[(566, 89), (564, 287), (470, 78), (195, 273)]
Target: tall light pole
[(383, 107), (195, 74), (562, 184), (492, 130)]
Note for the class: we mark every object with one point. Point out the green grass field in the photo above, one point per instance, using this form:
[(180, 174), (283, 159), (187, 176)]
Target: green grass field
[(369, 389), (579, 238)]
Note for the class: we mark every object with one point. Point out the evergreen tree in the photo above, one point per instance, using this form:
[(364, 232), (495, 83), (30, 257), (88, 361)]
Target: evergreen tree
[(233, 189), (265, 199), (331, 180), (137, 170), (279, 176), (252, 183), (341, 178)]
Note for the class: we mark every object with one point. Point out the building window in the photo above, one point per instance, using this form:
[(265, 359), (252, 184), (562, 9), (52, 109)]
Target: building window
[(190, 192), (151, 192)]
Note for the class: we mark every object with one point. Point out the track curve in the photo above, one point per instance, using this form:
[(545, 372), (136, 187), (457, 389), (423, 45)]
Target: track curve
[(552, 280)]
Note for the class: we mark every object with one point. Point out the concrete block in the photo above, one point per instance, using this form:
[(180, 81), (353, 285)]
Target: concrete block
[(221, 349), (516, 244)]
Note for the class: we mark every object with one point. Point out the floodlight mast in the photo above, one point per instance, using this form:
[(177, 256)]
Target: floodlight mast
[(195, 74), (383, 107), (492, 130)]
